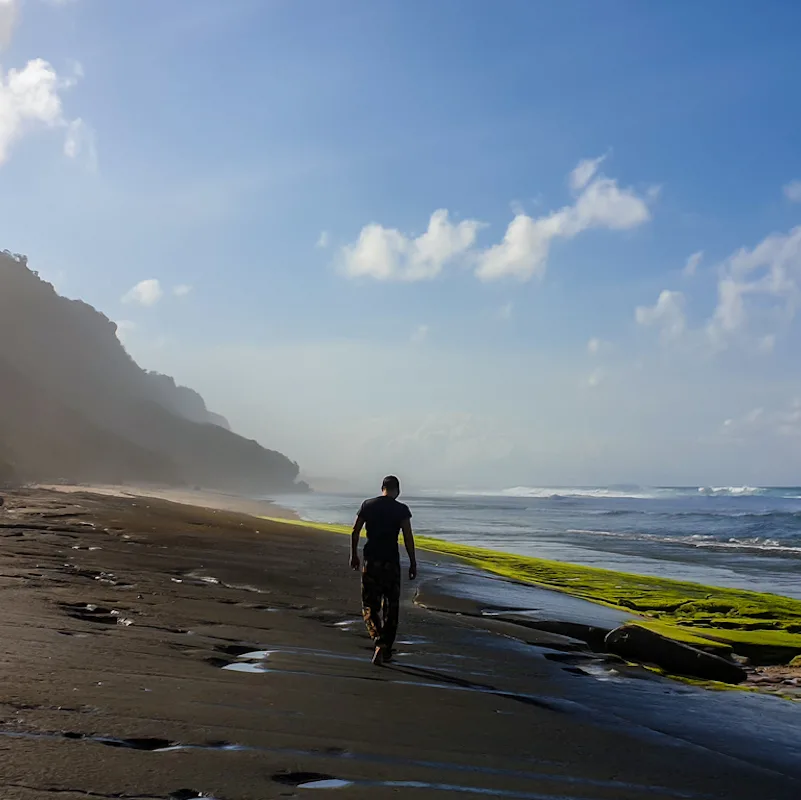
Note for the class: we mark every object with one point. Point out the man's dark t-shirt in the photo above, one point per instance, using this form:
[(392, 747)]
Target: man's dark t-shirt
[(383, 518)]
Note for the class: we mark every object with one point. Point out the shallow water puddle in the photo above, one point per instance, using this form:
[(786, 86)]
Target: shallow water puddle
[(334, 783), (314, 780), (261, 655), (246, 662), (246, 587), (601, 673), (210, 580), (89, 612), (258, 655), (246, 666)]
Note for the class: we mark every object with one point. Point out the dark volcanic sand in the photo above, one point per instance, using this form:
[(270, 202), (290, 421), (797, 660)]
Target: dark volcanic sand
[(119, 615)]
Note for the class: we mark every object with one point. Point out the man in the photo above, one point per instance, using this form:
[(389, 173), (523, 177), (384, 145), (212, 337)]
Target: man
[(384, 518)]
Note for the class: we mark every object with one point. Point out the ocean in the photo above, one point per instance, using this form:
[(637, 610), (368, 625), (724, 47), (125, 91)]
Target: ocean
[(744, 537)]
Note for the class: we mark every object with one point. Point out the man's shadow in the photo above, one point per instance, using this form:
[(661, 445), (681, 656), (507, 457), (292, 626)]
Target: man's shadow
[(467, 685)]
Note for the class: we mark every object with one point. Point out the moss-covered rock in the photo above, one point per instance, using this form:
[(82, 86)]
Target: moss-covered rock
[(637, 643)]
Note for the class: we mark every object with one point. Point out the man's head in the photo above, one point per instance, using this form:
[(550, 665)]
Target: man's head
[(390, 486)]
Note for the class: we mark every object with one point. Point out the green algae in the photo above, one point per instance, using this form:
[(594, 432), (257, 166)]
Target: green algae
[(762, 626), (685, 636), (717, 686)]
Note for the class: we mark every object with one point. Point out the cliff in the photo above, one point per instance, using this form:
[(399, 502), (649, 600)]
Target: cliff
[(75, 406)]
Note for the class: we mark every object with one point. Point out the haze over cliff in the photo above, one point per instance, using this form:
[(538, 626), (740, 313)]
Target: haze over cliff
[(75, 406)]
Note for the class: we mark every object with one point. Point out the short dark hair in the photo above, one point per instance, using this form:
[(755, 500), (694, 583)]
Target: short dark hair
[(391, 483)]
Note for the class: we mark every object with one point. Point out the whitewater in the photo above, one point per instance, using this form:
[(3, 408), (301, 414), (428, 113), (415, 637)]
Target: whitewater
[(741, 536)]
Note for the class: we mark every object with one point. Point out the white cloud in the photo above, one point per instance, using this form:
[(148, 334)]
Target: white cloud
[(506, 311), (9, 10), (81, 143), (691, 267), (182, 290), (30, 98), (730, 312), (387, 254), (604, 205), (420, 334), (324, 240), (72, 144), (584, 172), (667, 314), (145, 293), (792, 191), (523, 253), (758, 289)]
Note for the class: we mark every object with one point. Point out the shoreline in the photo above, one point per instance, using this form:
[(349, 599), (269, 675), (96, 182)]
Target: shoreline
[(699, 615), (623, 535), (733, 624), (156, 649)]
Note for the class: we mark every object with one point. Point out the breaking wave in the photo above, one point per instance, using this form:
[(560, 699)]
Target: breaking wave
[(631, 492), (556, 493), (732, 491), (756, 543)]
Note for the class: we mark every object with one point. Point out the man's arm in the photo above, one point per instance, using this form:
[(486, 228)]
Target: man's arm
[(354, 542), (408, 540)]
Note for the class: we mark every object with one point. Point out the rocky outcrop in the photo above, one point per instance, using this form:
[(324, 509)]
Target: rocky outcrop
[(75, 406), (635, 643)]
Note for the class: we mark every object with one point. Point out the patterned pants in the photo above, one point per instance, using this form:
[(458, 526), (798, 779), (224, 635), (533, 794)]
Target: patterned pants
[(381, 600)]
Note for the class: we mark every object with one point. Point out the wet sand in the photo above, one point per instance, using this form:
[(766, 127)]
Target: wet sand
[(156, 650)]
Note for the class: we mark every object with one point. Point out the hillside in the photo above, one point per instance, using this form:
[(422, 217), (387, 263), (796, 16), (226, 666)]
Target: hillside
[(75, 406)]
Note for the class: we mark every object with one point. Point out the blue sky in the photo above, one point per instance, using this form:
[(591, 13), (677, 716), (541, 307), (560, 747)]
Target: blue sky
[(246, 187)]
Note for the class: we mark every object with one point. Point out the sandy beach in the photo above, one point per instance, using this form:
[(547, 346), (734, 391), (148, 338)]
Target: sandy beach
[(201, 498), (156, 649)]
